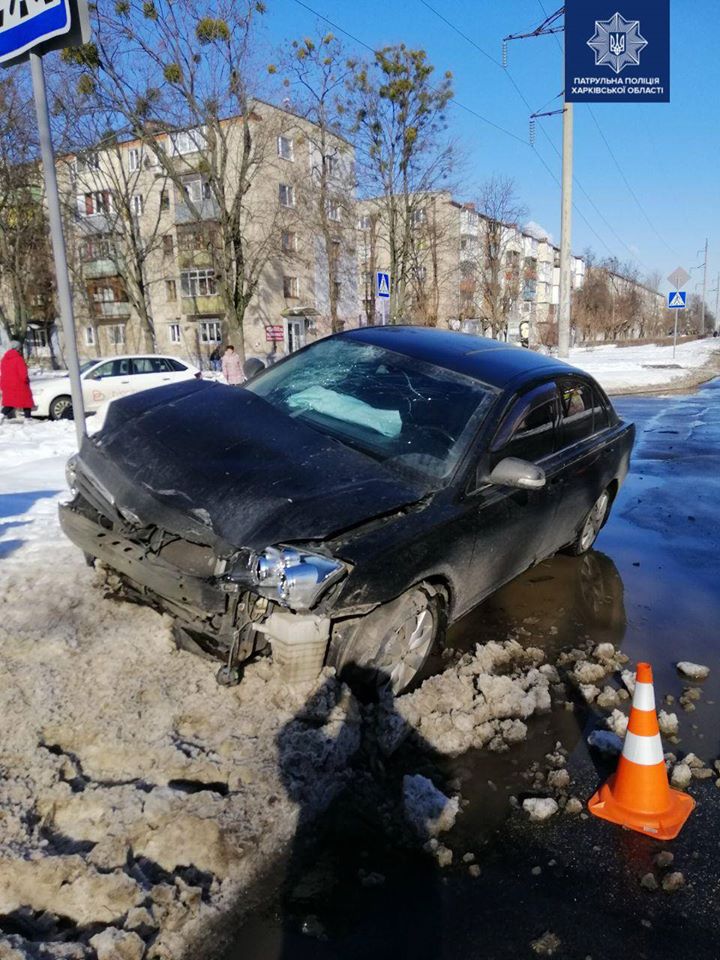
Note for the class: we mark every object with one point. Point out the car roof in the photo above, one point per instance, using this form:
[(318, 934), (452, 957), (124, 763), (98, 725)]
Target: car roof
[(490, 361), (141, 356)]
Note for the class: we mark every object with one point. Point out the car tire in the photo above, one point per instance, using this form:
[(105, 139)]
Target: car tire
[(61, 408), (591, 526), (389, 646)]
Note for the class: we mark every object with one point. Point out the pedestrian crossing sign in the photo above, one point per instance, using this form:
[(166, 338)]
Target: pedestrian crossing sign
[(40, 25), (383, 286), (677, 299)]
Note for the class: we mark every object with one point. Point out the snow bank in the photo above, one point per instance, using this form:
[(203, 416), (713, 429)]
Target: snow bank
[(644, 367)]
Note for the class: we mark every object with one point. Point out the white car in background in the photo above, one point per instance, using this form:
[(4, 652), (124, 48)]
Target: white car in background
[(108, 379)]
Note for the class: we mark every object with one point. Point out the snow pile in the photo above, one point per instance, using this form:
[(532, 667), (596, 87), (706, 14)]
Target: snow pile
[(645, 367), (427, 809), (138, 796), (482, 701)]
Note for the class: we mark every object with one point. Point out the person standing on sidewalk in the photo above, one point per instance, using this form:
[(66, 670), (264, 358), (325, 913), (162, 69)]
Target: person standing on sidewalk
[(232, 367), (15, 383)]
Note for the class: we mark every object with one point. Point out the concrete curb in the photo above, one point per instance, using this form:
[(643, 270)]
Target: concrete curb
[(693, 378)]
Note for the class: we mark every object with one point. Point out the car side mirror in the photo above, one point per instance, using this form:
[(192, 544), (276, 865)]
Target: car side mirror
[(513, 472)]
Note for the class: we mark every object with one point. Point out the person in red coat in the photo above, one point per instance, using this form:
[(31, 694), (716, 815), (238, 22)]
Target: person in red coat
[(14, 382)]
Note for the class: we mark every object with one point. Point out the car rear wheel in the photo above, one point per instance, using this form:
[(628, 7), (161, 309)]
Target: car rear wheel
[(593, 524), (389, 646), (61, 408)]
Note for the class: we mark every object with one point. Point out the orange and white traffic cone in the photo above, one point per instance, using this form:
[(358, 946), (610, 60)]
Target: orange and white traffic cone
[(638, 795)]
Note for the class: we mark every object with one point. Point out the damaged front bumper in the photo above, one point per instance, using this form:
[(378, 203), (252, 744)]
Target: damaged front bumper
[(217, 614)]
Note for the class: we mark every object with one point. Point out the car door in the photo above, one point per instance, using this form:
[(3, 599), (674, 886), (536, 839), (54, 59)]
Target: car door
[(586, 450), (513, 527), (109, 381), (96, 384)]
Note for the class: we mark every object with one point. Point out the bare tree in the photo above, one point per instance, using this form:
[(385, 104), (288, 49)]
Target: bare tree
[(26, 285), (177, 74), (404, 153), (498, 257), (316, 74)]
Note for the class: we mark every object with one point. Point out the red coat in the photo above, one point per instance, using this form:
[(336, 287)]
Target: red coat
[(14, 381)]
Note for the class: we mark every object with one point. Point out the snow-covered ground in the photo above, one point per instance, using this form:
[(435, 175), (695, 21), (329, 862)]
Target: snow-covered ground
[(646, 368)]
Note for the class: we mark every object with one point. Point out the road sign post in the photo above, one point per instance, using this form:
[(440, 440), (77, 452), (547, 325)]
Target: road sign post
[(28, 30), (382, 291), (677, 298)]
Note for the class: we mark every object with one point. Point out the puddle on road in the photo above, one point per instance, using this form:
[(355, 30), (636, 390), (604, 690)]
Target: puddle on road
[(651, 589)]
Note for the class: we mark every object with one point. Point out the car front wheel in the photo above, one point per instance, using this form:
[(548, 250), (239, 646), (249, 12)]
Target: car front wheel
[(592, 525), (389, 646), (61, 408)]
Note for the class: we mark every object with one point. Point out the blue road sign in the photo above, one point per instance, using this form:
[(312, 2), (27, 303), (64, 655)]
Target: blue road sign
[(25, 24), (383, 286), (677, 300)]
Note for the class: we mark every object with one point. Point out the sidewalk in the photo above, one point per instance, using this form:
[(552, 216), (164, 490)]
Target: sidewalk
[(650, 368)]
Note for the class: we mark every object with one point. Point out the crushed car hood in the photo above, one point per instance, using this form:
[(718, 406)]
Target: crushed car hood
[(210, 463)]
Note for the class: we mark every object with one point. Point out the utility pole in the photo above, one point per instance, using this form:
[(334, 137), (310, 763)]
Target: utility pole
[(565, 234), (550, 26), (705, 265)]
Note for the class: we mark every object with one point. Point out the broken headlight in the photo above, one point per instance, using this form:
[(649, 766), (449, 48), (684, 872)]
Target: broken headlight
[(71, 474), (293, 577)]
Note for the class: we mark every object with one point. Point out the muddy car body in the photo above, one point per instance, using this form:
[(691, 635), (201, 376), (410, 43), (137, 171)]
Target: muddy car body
[(360, 494)]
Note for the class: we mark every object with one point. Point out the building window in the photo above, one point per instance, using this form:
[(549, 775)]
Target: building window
[(168, 245), (419, 216), (116, 334), (175, 335), (98, 201), (104, 295), (289, 241), (37, 337), (90, 336), (338, 290), (285, 148), (170, 291), (291, 288), (365, 222), (331, 164), (91, 161), (197, 190), (134, 159), (164, 200), (187, 141), (96, 249), (334, 211), (198, 283), (287, 195), (137, 205), (210, 331)]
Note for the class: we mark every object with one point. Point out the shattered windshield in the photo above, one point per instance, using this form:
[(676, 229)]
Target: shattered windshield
[(405, 413)]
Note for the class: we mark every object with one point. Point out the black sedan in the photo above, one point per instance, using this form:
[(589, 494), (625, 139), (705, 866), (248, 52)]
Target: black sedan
[(355, 498)]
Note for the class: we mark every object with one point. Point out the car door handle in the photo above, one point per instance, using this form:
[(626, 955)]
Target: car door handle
[(124, 382), (166, 379)]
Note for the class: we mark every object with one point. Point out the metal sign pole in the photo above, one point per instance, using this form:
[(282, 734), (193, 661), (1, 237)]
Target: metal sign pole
[(58, 242), (675, 333)]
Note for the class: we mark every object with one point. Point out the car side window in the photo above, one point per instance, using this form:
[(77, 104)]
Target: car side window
[(601, 412), (577, 406), (149, 365), (175, 365), (104, 370), (528, 429)]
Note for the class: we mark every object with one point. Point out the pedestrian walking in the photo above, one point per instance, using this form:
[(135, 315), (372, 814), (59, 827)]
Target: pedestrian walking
[(215, 359), (232, 367), (15, 383)]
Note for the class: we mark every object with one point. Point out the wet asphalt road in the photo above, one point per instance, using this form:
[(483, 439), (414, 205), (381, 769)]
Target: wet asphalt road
[(651, 587)]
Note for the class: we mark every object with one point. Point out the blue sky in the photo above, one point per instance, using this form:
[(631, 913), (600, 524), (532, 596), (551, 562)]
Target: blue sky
[(668, 153)]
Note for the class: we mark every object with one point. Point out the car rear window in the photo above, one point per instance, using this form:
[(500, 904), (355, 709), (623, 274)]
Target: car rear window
[(408, 414)]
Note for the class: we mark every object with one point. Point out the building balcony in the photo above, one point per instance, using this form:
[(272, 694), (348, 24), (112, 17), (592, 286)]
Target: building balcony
[(95, 269), (112, 309), (207, 209), (98, 223), (199, 306), (195, 258)]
